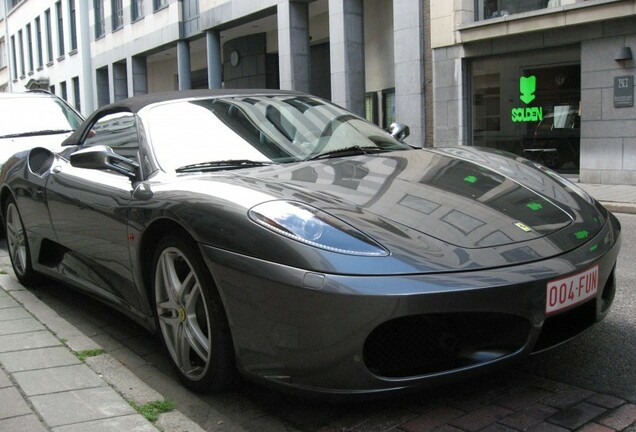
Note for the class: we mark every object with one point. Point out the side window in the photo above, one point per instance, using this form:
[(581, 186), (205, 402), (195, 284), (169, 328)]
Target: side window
[(117, 131)]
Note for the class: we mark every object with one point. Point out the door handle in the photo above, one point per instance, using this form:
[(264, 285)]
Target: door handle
[(56, 169)]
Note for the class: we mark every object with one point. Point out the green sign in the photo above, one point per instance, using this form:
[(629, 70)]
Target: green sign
[(527, 89)]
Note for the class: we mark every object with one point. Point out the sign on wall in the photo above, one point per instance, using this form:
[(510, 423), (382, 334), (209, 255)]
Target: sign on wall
[(527, 89), (624, 91)]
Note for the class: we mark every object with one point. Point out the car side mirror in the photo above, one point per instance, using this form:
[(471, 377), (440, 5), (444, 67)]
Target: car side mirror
[(399, 131), (102, 157)]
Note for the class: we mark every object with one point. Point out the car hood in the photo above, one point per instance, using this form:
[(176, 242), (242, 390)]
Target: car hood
[(433, 210), (454, 200)]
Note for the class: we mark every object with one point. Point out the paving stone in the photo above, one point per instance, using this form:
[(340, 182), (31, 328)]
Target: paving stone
[(497, 427), (22, 325), (41, 358), (385, 420), (432, 419), (6, 301), (620, 418), (525, 398), (4, 379), (77, 406), (567, 398), (547, 427), (481, 418), (12, 404), (129, 423), (14, 313), (26, 341), (595, 427), (25, 423), (529, 417), (606, 401), (577, 415), (59, 379)]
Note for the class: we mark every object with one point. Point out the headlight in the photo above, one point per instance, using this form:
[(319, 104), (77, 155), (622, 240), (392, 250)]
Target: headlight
[(314, 227)]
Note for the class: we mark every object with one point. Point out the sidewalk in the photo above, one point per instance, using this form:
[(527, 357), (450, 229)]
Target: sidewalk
[(45, 387), (616, 198)]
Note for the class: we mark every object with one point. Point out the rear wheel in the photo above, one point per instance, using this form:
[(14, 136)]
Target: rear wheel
[(18, 244), (190, 316)]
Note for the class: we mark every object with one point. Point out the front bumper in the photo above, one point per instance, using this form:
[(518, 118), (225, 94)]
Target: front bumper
[(343, 334)]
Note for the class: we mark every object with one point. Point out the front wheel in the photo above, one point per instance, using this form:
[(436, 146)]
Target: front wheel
[(18, 244), (190, 316)]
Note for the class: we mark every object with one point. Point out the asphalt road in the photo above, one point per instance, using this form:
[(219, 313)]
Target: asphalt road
[(600, 360)]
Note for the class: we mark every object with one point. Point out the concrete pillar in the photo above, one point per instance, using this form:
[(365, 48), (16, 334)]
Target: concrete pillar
[(215, 65), (183, 65), (293, 45), (87, 86), (408, 39), (346, 38)]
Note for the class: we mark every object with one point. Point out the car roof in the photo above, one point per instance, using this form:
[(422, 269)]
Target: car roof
[(135, 104)]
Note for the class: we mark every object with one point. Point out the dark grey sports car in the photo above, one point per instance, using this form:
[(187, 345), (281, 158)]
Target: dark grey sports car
[(280, 236)]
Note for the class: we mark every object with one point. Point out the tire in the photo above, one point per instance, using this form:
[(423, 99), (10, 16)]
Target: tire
[(190, 316), (18, 245)]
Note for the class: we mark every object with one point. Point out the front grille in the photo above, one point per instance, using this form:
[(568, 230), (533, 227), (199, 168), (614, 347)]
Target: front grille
[(564, 326), (425, 344)]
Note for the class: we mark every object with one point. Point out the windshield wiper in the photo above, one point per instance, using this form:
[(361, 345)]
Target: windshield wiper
[(36, 133), (221, 165), (347, 151)]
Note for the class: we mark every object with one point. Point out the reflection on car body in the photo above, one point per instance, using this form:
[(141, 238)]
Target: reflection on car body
[(277, 235)]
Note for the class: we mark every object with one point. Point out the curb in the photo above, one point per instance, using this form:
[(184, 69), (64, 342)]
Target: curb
[(619, 207)]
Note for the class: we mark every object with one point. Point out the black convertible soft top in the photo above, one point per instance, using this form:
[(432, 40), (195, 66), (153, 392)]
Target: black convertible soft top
[(135, 104)]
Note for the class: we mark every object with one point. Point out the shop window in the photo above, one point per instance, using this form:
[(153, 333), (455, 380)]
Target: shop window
[(533, 112)]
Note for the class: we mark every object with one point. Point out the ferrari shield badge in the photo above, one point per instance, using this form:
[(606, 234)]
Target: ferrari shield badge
[(523, 227)]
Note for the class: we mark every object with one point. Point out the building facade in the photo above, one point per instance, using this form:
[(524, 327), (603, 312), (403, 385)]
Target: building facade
[(552, 80), (366, 55)]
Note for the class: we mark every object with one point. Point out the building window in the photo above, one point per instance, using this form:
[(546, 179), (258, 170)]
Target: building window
[(29, 38), (13, 59), (158, 4), (21, 53), (100, 28), (3, 53), (117, 8), (49, 36), (38, 42), (73, 16), (76, 94), (13, 3), (60, 29), (486, 9), (63, 92), (388, 107), (52, 89), (137, 9)]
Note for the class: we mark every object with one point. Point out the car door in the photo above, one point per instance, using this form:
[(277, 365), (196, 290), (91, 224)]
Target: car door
[(89, 213)]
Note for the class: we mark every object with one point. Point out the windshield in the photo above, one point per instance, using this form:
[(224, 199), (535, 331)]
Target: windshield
[(30, 115), (259, 130)]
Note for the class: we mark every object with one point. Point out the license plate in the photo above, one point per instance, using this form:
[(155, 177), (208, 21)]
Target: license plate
[(563, 293)]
